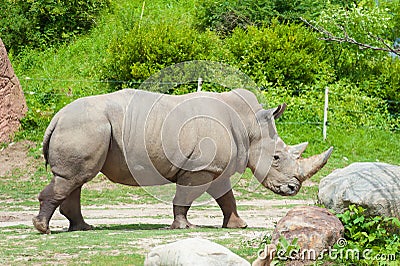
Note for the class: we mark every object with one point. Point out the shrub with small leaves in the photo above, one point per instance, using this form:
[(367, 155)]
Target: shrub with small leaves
[(371, 238), (39, 23)]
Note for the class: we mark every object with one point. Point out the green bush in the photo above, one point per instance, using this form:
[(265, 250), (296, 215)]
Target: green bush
[(143, 51), (285, 59), (385, 84), (373, 236), (224, 16), (281, 55), (364, 22), (39, 23)]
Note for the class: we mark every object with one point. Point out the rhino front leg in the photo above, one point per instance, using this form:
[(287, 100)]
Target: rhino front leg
[(71, 208), (50, 198), (227, 203), (221, 191)]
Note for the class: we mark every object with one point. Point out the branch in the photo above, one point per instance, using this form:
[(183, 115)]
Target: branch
[(331, 37)]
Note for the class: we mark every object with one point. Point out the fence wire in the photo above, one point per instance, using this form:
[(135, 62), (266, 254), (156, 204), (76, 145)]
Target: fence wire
[(309, 107)]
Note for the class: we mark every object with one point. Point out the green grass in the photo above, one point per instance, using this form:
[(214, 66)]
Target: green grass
[(106, 260), (54, 77), (115, 245)]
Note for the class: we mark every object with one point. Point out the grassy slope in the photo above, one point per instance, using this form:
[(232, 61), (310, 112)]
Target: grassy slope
[(81, 60)]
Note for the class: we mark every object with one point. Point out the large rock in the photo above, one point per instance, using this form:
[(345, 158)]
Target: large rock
[(12, 102), (315, 228), (375, 186), (193, 251)]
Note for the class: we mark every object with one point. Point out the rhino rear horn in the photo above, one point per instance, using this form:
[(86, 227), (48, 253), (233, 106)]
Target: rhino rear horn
[(309, 166), (297, 150)]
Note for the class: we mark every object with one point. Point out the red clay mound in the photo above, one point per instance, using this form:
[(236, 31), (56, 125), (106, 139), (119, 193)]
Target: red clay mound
[(12, 101)]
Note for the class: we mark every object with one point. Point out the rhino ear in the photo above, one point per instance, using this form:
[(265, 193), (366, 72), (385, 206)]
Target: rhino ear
[(278, 111), (266, 115)]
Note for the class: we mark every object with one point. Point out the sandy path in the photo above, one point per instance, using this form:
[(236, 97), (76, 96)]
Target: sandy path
[(257, 214)]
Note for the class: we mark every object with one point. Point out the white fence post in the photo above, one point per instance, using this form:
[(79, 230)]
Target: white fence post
[(324, 128), (199, 84), (141, 15)]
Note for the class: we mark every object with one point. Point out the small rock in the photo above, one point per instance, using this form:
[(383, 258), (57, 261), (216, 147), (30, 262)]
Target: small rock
[(374, 186), (316, 230), (193, 251)]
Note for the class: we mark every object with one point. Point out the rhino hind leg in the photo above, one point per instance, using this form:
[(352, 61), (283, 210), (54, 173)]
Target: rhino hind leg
[(50, 198), (221, 191), (47, 207), (184, 197), (180, 218), (189, 187), (71, 208), (76, 153)]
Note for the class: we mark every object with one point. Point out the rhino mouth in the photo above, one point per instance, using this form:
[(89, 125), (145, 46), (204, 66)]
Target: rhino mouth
[(289, 189)]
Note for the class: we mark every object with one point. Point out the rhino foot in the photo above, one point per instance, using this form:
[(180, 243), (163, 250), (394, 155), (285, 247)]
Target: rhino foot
[(235, 222), (80, 227), (41, 225), (181, 224)]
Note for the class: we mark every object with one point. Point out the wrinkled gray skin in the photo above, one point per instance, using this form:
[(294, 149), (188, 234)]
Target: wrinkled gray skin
[(97, 134)]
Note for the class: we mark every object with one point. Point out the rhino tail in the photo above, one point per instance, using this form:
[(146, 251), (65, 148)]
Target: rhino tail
[(47, 137)]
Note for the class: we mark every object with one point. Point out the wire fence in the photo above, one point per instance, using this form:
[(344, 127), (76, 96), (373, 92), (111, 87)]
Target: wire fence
[(326, 107)]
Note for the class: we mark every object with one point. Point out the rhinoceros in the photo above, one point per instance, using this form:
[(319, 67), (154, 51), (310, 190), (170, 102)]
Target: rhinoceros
[(197, 141)]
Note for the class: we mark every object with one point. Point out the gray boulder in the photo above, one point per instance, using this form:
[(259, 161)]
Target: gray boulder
[(374, 186), (193, 251)]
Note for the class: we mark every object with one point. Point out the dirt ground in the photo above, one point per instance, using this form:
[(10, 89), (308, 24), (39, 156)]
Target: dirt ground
[(257, 213), (15, 156), (265, 215)]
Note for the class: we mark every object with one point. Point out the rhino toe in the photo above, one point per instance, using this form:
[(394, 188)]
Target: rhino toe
[(181, 224), (234, 222), (80, 227), (41, 225)]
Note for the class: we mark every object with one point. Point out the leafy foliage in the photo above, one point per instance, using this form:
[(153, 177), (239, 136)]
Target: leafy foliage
[(152, 47), (283, 55), (224, 16), (372, 236), (286, 250), (285, 59), (375, 72), (39, 23)]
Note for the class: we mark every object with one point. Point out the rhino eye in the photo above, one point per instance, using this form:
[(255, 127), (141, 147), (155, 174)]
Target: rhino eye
[(276, 158)]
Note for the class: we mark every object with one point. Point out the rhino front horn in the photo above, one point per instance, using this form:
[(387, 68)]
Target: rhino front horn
[(309, 166)]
